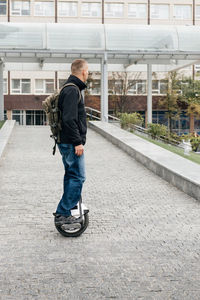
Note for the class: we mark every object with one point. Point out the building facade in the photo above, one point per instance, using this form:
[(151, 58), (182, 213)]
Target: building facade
[(24, 90)]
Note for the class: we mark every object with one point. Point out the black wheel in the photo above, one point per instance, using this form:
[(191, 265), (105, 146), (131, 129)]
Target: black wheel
[(74, 232)]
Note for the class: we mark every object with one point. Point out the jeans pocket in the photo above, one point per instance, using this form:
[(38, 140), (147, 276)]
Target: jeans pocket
[(65, 148)]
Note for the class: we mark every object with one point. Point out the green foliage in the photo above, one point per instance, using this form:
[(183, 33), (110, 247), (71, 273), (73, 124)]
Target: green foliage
[(170, 101), (157, 130), (1, 123), (195, 142), (190, 95), (126, 120), (175, 137), (185, 137)]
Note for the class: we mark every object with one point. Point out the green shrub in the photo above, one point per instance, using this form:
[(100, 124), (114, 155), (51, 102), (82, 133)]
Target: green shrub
[(126, 120), (186, 137), (1, 123), (195, 142), (157, 130), (176, 137)]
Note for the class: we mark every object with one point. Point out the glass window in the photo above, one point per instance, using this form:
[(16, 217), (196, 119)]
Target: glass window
[(25, 86), (197, 68), (18, 116), (114, 10), (45, 8), (197, 11), (20, 8), (49, 86), (96, 86), (182, 11), (141, 87), (61, 82), (159, 11), (5, 89), (5, 115), (16, 86), (44, 86), (67, 9), (137, 10), (21, 86), (115, 87), (159, 86), (136, 87), (91, 9), (155, 86), (39, 89), (2, 7), (163, 86)]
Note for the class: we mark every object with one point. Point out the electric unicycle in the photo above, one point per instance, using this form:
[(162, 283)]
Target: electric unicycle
[(73, 230)]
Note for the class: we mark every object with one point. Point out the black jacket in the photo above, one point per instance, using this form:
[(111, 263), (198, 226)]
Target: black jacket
[(73, 115)]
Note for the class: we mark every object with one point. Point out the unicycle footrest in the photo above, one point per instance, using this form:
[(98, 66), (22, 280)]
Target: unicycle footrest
[(71, 226)]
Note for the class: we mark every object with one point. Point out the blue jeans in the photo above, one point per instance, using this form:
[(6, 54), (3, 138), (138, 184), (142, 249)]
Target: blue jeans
[(74, 178)]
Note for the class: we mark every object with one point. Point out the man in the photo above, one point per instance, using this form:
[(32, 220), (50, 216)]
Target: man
[(72, 141)]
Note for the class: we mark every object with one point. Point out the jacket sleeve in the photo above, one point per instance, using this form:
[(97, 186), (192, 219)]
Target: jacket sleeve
[(70, 114)]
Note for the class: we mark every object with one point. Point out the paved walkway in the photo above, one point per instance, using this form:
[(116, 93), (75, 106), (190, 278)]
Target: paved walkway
[(143, 241)]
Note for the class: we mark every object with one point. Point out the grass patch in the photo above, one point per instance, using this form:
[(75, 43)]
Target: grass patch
[(1, 123), (193, 156)]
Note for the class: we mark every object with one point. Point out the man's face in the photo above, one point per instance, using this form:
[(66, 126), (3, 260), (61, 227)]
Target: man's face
[(85, 72)]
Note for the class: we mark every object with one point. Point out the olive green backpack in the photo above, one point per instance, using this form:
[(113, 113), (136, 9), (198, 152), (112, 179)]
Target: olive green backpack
[(53, 113)]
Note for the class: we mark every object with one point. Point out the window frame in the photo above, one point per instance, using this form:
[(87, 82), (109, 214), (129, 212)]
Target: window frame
[(67, 2), (159, 5), (91, 3), (113, 3), (179, 5), (19, 91), (5, 83), (43, 91), (44, 15), (4, 4), (137, 4), (20, 9)]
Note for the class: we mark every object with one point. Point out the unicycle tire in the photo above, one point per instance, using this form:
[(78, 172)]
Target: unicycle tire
[(75, 233)]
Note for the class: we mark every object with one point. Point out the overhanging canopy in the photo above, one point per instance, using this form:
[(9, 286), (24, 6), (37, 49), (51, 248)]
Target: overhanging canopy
[(124, 43)]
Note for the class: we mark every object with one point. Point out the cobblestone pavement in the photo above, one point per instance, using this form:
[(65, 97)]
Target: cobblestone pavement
[(143, 241)]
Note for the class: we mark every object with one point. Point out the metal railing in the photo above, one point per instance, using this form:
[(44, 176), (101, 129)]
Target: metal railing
[(96, 114)]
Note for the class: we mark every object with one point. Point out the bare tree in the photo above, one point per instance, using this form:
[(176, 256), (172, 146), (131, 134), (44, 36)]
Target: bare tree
[(119, 85)]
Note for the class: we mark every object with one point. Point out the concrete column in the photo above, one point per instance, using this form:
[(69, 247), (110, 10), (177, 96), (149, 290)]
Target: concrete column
[(146, 118), (104, 89), (9, 114), (149, 93), (1, 91)]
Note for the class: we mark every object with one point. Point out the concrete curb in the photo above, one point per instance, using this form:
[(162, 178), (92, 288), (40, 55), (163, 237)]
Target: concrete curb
[(5, 133), (182, 173)]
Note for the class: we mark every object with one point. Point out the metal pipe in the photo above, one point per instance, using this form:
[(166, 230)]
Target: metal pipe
[(149, 93), (194, 9), (56, 11), (8, 12), (1, 91), (104, 89), (102, 17), (148, 11)]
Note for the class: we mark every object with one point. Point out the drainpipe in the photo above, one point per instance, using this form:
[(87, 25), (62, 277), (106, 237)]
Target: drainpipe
[(1, 91), (8, 12), (102, 12), (148, 10)]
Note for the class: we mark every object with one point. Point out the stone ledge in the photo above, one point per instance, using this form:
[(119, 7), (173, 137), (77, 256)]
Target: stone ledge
[(5, 133), (182, 173)]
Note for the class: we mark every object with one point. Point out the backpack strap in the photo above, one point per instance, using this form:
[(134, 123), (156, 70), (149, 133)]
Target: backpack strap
[(70, 83)]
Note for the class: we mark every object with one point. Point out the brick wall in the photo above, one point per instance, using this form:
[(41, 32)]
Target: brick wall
[(31, 102)]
